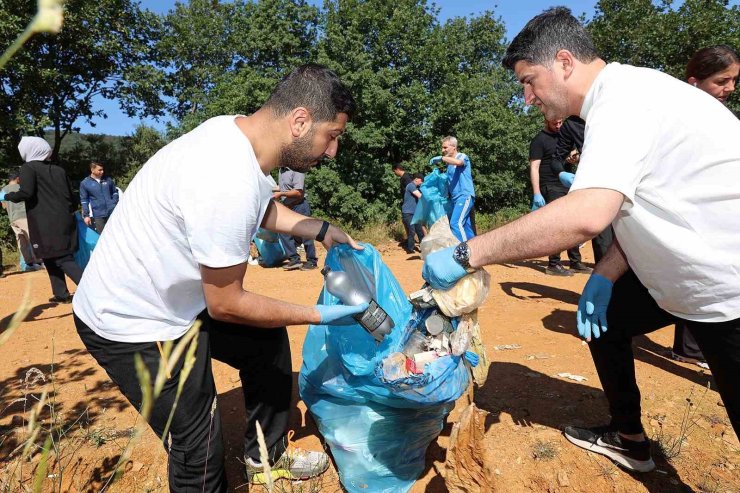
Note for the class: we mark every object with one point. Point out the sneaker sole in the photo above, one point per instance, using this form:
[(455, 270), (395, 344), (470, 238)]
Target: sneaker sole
[(626, 462), (260, 478), (292, 267)]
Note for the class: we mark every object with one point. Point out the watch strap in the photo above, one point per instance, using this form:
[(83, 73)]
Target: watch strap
[(322, 231)]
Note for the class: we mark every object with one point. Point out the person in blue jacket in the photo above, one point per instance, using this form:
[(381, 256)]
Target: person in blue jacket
[(99, 196), (462, 192)]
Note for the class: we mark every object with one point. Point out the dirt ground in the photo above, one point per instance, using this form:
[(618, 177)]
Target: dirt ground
[(528, 403)]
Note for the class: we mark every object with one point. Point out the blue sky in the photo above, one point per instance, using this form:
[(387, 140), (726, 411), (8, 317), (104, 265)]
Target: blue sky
[(515, 13)]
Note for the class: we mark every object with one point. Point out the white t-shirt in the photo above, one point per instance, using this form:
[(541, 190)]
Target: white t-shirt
[(199, 200), (673, 151)]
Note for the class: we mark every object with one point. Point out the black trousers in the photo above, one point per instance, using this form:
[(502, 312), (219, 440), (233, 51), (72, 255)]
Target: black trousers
[(99, 224), (550, 193), (56, 268), (411, 229), (601, 243), (632, 311), (196, 453)]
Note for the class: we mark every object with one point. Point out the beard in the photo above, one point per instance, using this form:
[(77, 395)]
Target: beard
[(557, 106), (298, 155)]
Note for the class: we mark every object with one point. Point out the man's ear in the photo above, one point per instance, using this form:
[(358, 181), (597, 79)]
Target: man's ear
[(300, 122), (566, 61), (693, 81)]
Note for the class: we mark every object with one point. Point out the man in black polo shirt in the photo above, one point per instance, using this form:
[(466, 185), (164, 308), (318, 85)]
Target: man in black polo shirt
[(567, 153), (546, 187)]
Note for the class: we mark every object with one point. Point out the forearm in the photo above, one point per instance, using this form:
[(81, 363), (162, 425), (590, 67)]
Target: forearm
[(534, 176), (571, 220), (19, 196), (261, 311), (291, 194), (280, 219), (453, 161), (613, 264)]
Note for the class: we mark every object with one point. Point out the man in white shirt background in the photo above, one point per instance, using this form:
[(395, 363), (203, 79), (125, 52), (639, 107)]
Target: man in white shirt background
[(673, 201)]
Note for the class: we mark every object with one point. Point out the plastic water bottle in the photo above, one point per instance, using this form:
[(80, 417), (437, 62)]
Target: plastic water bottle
[(375, 320)]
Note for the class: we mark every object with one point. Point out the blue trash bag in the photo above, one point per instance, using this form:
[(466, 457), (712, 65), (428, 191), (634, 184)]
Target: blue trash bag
[(271, 249), (357, 411), (87, 240), (434, 202)]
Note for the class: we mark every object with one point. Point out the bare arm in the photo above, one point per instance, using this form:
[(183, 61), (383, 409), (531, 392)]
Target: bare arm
[(573, 219), (416, 194), (280, 219), (227, 301), (289, 194), (453, 161), (613, 264), (534, 174)]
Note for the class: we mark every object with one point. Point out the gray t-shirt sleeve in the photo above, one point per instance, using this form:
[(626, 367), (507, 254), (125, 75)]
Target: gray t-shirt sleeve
[(298, 180)]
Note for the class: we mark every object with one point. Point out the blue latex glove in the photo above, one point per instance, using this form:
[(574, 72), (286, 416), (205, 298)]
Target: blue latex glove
[(2, 195), (435, 160), (566, 178), (591, 314), (538, 201), (339, 314), (472, 358), (441, 270)]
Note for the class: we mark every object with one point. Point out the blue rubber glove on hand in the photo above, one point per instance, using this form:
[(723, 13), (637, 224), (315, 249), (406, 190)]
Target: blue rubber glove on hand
[(435, 160), (2, 195), (441, 270), (538, 201), (472, 358), (591, 314), (566, 178), (339, 314)]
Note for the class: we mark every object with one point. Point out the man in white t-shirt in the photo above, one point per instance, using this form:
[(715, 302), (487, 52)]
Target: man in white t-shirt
[(669, 186), (176, 251)]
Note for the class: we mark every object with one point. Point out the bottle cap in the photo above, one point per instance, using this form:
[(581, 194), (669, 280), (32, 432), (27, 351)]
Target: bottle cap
[(325, 270)]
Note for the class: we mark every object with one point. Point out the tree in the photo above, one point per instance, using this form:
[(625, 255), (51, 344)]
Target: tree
[(54, 80)]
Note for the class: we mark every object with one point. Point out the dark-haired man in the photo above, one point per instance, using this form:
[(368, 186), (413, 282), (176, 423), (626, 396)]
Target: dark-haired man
[(672, 198), (98, 196), (176, 251), (411, 197)]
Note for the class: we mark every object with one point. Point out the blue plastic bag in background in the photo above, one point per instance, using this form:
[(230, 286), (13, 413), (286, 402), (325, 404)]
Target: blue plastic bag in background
[(270, 248), (87, 240), (434, 202), (378, 431)]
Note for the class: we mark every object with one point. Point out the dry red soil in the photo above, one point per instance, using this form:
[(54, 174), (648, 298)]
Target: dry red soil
[(527, 402)]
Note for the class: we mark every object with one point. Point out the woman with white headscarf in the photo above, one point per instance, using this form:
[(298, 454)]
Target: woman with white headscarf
[(50, 208)]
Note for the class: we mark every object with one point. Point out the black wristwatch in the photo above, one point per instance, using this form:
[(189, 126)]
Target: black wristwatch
[(461, 254)]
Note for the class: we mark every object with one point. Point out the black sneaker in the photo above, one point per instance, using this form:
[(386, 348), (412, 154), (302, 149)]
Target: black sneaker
[(580, 267), (634, 456), (309, 266), (293, 265), (61, 299), (557, 270)]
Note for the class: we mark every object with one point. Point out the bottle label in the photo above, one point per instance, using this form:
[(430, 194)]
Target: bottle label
[(372, 318)]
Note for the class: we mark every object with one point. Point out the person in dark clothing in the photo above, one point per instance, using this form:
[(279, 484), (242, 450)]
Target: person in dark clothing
[(567, 153), (547, 188), (405, 178), (410, 199), (99, 196), (50, 207)]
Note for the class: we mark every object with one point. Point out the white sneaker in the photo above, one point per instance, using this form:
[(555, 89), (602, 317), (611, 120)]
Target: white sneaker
[(252, 261), (295, 464), (687, 359)]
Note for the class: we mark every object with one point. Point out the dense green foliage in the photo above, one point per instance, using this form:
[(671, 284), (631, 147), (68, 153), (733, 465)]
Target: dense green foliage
[(416, 78)]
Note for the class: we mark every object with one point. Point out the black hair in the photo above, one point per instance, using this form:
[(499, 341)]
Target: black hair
[(419, 176), (315, 88), (397, 166), (710, 60), (553, 30)]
